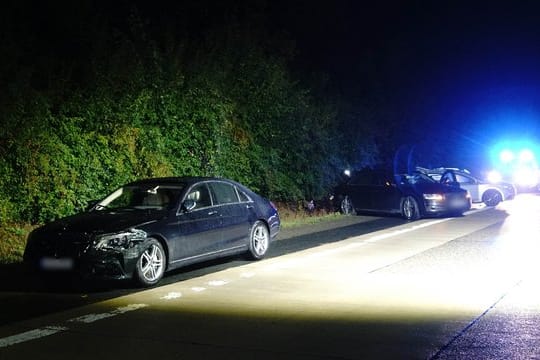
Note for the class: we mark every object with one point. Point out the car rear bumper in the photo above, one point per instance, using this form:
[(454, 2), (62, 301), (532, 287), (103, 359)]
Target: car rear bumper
[(454, 206)]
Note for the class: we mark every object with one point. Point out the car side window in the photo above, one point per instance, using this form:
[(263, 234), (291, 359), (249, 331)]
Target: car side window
[(464, 179), (362, 177), (243, 196), (448, 178), (200, 195), (224, 193)]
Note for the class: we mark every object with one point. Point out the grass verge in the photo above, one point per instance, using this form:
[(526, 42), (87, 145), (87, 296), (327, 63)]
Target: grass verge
[(289, 222), (12, 242)]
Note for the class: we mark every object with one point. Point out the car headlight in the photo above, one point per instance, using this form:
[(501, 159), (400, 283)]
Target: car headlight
[(436, 197), (124, 239)]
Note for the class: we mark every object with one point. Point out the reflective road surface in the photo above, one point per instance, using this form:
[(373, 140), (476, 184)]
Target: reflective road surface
[(457, 288)]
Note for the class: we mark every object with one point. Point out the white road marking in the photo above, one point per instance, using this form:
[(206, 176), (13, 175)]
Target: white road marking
[(373, 239), (217, 282), (31, 335), (172, 296), (247, 275), (50, 330), (403, 231), (90, 318)]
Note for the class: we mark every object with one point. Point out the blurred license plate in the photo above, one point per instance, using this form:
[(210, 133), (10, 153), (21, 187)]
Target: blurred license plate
[(457, 203), (57, 264)]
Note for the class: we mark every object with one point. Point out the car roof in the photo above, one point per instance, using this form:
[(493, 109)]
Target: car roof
[(177, 179), (444, 169)]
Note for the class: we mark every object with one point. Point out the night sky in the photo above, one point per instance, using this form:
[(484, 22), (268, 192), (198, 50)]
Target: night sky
[(463, 73), (437, 46), (466, 72)]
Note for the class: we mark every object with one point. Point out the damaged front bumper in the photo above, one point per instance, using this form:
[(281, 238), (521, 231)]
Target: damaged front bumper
[(107, 256)]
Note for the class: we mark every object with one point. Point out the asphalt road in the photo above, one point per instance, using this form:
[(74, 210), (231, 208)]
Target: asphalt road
[(365, 288), (27, 296)]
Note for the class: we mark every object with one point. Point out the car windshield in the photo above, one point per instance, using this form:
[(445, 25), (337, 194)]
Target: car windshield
[(142, 197), (415, 178)]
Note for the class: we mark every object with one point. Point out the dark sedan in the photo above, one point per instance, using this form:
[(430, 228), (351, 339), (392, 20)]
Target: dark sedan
[(410, 195), (150, 226)]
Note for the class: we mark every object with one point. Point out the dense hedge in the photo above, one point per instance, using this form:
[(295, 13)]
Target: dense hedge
[(131, 104)]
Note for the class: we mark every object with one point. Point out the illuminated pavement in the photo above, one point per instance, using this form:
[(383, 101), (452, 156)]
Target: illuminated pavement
[(436, 288)]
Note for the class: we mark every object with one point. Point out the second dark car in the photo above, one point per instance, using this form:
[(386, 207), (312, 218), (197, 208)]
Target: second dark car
[(150, 226), (410, 195)]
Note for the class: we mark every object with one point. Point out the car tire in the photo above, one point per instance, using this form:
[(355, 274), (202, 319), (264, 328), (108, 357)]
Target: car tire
[(151, 264), (492, 198), (409, 208), (347, 207), (259, 241)]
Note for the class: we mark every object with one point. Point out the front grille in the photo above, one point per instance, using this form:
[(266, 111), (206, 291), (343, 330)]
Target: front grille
[(64, 244)]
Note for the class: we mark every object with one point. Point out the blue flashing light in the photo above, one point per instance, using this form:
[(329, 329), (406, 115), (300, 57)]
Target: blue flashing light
[(517, 161), (506, 156), (526, 155)]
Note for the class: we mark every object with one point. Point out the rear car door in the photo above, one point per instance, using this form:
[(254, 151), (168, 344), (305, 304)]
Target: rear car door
[(385, 196), (359, 189)]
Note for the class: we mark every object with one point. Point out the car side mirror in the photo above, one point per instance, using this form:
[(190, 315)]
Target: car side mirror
[(90, 205), (189, 205)]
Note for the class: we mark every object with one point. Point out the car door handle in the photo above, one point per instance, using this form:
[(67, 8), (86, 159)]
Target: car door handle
[(210, 213)]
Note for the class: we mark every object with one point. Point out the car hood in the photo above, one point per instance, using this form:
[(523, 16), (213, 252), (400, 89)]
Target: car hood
[(98, 222)]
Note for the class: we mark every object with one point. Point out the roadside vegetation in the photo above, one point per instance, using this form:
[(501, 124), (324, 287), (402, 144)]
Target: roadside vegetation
[(96, 101), (132, 102)]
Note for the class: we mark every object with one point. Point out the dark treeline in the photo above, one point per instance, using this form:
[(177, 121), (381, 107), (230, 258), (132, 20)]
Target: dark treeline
[(95, 94)]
